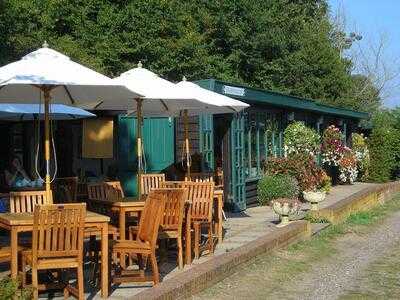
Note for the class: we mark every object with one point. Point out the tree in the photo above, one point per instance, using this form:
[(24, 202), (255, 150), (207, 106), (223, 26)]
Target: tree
[(269, 44)]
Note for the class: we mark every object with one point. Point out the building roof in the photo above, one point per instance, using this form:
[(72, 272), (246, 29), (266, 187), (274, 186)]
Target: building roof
[(259, 96)]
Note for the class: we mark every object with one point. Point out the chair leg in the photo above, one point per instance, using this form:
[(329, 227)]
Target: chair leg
[(23, 269), (66, 293), (197, 233), (35, 284), (81, 293), (140, 261), (154, 267), (210, 238), (180, 251)]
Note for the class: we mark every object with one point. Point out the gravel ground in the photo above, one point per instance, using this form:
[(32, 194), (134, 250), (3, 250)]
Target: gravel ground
[(331, 278), (355, 253)]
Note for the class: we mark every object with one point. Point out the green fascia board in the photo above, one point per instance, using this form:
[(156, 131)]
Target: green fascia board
[(259, 96)]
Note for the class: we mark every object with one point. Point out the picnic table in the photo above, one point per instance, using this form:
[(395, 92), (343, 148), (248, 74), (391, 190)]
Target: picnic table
[(23, 222)]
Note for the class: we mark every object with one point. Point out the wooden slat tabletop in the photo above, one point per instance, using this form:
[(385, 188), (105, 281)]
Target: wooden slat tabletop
[(14, 219)]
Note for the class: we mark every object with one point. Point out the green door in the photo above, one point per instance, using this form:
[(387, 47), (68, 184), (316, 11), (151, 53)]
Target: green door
[(238, 200), (158, 140), (206, 126)]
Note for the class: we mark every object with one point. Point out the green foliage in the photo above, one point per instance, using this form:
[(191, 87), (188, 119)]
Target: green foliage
[(383, 146), (299, 138), (325, 183), (266, 44), (9, 290), (360, 148), (300, 166), (275, 187)]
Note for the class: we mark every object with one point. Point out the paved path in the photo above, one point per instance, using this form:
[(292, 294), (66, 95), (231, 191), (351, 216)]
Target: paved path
[(345, 275)]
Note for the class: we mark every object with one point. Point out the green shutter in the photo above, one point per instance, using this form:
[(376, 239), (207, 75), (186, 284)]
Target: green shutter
[(158, 139), (237, 183)]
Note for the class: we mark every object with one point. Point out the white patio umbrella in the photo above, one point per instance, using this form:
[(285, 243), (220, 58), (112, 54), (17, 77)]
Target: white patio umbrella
[(48, 73), (164, 98)]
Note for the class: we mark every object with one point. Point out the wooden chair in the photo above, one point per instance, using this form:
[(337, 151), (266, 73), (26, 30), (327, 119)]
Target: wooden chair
[(150, 181), (5, 254), (219, 179), (146, 240), (172, 220), (21, 202), (200, 177), (114, 191), (100, 196), (200, 197), (82, 191), (65, 189), (57, 243)]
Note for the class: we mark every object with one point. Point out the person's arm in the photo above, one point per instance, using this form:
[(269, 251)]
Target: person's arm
[(10, 178), (23, 173)]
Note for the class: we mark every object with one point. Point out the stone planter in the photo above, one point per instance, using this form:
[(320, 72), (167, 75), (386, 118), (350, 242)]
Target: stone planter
[(314, 198), (285, 208)]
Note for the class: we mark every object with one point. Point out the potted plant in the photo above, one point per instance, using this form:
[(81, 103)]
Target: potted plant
[(285, 207), (300, 139), (332, 150), (318, 194), (278, 186)]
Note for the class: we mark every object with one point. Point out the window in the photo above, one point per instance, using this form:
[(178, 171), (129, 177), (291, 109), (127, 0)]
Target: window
[(263, 139)]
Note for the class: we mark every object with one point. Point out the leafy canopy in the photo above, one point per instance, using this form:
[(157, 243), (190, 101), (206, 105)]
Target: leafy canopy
[(281, 45)]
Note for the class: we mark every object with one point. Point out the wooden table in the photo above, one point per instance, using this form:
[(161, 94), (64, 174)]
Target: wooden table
[(23, 222), (127, 205)]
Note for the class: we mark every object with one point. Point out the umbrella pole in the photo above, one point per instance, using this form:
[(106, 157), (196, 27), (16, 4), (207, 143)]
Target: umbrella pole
[(187, 146), (139, 144), (46, 92)]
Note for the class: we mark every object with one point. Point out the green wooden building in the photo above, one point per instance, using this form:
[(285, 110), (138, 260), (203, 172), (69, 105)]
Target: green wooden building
[(240, 144)]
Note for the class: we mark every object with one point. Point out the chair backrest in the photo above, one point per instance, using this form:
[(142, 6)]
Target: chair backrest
[(151, 216), (200, 196), (96, 191), (116, 185), (82, 191), (58, 231), (65, 189), (219, 179), (200, 177), (150, 181), (174, 208), (173, 184), (21, 202)]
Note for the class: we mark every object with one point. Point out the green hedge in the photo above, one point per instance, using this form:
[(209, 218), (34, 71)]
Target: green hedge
[(384, 151)]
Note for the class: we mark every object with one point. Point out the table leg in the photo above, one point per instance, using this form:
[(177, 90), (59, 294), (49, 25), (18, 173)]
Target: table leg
[(188, 240), (220, 204), (14, 252), (104, 260), (122, 223), (122, 228)]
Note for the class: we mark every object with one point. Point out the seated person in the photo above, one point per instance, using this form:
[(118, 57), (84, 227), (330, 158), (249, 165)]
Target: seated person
[(16, 176)]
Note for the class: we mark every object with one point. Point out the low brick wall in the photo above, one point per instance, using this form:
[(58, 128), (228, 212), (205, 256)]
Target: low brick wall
[(204, 275), (362, 200)]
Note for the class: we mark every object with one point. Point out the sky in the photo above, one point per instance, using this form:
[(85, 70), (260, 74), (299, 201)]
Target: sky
[(374, 20)]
